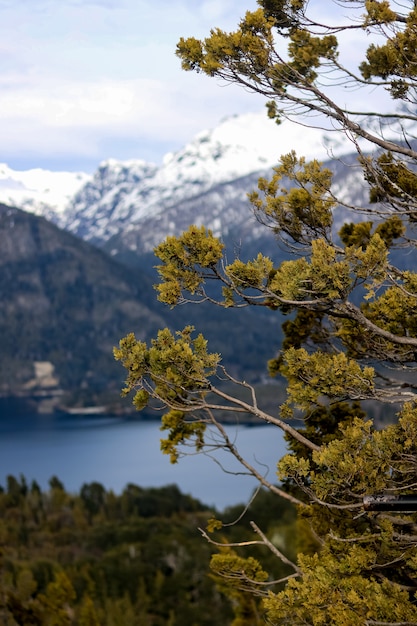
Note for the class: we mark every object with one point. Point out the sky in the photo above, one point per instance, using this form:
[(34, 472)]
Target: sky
[(86, 80), (82, 81)]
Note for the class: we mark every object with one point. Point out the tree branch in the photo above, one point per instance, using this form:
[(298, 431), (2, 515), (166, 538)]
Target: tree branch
[(275, 550), (351, 311), (255, 410)]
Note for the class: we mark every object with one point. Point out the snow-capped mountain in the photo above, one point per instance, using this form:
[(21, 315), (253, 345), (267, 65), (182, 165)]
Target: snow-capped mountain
[(134, 205), (40, 191), (134, 198), (103, 205)]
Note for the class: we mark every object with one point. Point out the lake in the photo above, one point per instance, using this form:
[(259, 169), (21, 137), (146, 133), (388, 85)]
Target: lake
[(115, 452)]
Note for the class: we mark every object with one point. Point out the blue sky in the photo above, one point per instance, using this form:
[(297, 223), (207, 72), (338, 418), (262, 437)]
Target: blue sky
[(86, 80), (82, 81)]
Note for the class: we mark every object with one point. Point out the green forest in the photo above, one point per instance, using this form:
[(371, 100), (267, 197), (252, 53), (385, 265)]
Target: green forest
[(135, 559)]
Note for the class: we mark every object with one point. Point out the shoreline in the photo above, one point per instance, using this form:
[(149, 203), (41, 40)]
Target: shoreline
[(15, 407)]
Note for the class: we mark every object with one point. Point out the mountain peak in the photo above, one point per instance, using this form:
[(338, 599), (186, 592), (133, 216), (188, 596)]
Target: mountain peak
[(125, 193), (242, 144), (40, 191)]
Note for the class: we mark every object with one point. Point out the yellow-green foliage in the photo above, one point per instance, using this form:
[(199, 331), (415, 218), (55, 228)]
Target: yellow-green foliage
[(333, 592), (251, 274), (174, 369), (395, 309), (238, 578), (314, 376), (195, 248), (394, 60), (390, 177), (352, 317), (247, 49), (302, 209), (172, 365), (245, 571), (307, 51), (341, 583), (323, 277)]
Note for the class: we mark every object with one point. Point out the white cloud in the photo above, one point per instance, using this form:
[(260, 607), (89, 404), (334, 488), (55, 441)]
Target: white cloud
[(107, 69), (58, 115), (100, 78)]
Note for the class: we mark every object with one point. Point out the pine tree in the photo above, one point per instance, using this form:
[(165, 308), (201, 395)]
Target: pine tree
[(351, 295)]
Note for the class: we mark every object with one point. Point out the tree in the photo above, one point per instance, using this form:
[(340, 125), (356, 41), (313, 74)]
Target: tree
[(351, 296)]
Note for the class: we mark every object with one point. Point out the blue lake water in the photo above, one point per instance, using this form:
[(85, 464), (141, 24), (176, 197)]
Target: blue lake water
[(115, 452)]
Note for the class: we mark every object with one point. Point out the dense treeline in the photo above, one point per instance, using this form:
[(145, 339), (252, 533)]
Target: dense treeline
[(134, 559)]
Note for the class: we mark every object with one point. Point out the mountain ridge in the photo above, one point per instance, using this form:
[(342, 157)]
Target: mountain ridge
[(120, 195), (239, 147)]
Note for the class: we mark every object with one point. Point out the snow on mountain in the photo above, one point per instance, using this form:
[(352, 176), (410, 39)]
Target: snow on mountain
[(99, 208), (205, 182), (237, 147), (40, 191)]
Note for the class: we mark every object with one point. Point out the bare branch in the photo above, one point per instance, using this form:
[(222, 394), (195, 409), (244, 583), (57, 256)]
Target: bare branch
[(275, 550), (255, 410), (229, 445), (222, 544)]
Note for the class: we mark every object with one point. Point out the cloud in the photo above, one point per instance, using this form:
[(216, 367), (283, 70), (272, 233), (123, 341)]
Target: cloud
[(75, 75), (216, 9), (59, 115), (99, 78)]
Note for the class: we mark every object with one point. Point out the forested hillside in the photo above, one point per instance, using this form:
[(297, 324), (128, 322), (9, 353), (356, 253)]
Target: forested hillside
[(135, 559), (66, 304)]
